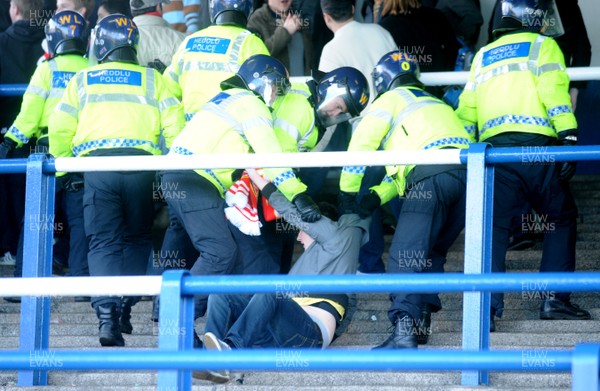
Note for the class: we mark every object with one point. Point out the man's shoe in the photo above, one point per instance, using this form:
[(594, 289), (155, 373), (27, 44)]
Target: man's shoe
[(404, 335), (556, 309), (424, 329), (211, 342)]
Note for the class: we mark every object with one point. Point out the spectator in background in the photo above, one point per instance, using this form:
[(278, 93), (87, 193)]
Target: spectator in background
[(319, 32), (158, 40), (187, 16), (20, 48), (286, 34), (5, 21), (109, 7), (358, 45), (422, 32), (464, 17)]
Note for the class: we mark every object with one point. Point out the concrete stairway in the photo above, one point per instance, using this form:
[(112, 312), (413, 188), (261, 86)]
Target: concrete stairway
[(73, 325)]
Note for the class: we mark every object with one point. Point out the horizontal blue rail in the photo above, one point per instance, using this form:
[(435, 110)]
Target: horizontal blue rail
[(424, 283), (292, 360), (525, 155)]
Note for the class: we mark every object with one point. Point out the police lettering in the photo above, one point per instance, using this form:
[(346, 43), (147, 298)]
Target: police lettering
[(505, 52), (115, 77), (213, 45)]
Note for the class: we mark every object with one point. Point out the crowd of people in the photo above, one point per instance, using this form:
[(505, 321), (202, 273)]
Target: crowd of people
[(146, 79)]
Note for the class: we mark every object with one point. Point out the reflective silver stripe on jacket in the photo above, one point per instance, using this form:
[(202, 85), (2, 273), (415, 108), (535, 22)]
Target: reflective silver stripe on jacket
[(123, 97), (231, 65), (412, 105)]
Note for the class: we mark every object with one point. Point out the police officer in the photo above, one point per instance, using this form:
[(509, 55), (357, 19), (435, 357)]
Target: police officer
[(404, 117), (237, 120), (213, 54), (300, 118), (517, 94), (66, 34), (115, 108)]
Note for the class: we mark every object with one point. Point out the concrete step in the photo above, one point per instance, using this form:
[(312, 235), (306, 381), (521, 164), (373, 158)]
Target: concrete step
[(309, 380)]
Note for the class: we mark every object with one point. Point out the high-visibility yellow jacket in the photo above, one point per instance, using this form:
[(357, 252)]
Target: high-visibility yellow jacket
[(205, 59), (235, 121), (405, 118), (45, 89), (114, 105), (294, 120), (518, 83)]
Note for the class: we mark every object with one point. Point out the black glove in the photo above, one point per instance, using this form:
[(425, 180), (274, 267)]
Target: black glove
[(347, 203), (72, 182), (158, 65), (567, 169), (368, 204), (309, 211), (6, 147)]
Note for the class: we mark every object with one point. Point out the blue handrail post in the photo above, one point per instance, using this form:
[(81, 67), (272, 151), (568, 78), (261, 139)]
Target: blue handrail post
[(38, 230), (585, 373), (176, 328), (478, 249)]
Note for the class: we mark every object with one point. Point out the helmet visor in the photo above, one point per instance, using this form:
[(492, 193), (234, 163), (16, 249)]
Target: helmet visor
[(270, 89), (333, 109), (91, 55), (552, 25)]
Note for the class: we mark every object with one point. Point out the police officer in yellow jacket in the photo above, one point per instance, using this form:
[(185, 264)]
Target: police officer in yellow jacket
[(67, 42), (237, 120), (116, 108), (213, 54), (66, 34), (404, 117), (517, 94)]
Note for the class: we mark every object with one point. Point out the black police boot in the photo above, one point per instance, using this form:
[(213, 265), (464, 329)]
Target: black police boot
[(492, 320), (424, 329), (403, 336), (109, 330), (155, 309), (556, 309), (125, 320)]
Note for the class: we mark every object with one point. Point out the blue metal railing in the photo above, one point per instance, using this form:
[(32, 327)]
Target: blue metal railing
[(178, 289)]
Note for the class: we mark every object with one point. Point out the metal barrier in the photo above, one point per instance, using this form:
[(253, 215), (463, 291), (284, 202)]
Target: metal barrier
[(474, 360)]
